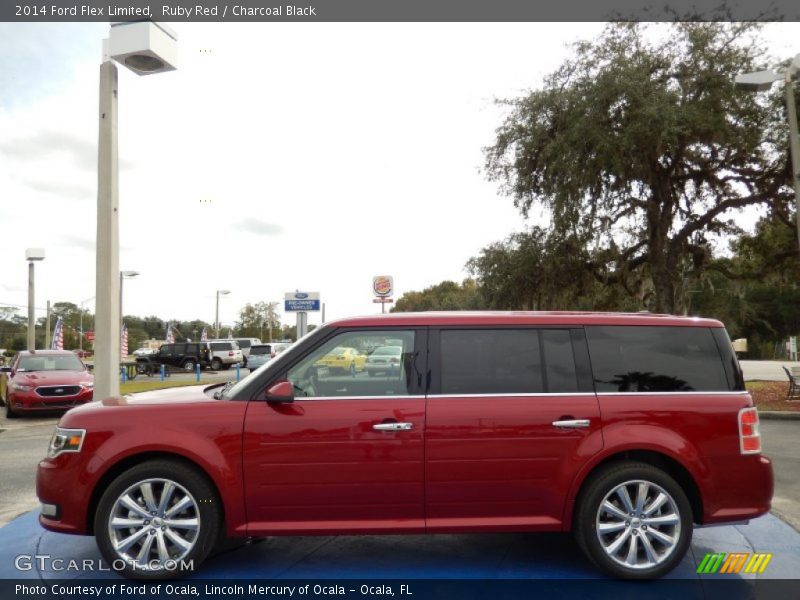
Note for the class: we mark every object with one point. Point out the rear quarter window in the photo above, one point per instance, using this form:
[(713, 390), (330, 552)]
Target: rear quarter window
[(655, 359)]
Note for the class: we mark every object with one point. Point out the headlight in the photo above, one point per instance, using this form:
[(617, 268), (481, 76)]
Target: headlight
[(65, 440), (20, 387), (87, 384)]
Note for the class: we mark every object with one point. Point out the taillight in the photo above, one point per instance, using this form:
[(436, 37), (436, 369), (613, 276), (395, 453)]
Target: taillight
[(230, 353), (749, 434), (273, 354)]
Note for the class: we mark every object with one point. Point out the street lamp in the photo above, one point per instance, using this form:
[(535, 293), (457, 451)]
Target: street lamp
[(32, 255), (145, 48), (761, 81), (124, 275), (216, 318)]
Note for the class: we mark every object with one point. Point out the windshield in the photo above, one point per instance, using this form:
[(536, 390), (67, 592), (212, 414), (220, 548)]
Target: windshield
[(65, 362)]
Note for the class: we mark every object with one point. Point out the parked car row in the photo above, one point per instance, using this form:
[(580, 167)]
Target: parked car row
[(213, 354)]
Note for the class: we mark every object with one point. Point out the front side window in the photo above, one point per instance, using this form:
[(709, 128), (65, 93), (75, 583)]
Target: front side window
[(655, 359), (339, 367)]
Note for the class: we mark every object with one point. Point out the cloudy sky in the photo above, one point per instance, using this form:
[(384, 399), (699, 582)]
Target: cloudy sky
[(279, 156)]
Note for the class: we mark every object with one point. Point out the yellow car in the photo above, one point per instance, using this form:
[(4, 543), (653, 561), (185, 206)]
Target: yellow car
[(344, 359)]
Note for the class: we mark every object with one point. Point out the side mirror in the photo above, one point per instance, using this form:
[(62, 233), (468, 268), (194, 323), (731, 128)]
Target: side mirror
[(282, 391)]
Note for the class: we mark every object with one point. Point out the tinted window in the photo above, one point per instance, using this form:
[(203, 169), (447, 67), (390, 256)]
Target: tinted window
[(559, 361), (216, 346), (244, 343), (491, 361), (256, 350), (192, 349), (655, 359)]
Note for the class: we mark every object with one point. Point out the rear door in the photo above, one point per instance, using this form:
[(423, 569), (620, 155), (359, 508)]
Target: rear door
[(511, 417), (347, 454)]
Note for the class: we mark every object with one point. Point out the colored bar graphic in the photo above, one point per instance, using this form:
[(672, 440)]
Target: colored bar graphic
[(721, 562)]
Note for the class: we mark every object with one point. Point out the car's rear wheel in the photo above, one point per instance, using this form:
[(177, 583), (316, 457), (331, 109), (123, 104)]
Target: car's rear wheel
[(633, 521), (216, 364), (158, 520), (188, 365)]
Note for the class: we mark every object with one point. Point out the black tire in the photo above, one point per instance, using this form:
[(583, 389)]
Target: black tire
[(216, 364), (142, 368), (629, 475), (10, 414), (205, 509), (188, 365)]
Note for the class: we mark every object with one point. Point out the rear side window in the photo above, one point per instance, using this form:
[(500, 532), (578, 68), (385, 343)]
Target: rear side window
[(217, 346), (507, 361), (655, 359), (243, 344)]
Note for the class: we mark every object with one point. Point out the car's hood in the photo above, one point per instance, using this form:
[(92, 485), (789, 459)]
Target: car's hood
[(37, 378), (189, 393)]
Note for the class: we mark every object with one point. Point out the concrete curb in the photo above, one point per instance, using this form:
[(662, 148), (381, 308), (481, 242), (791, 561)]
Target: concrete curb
[(780, 415)]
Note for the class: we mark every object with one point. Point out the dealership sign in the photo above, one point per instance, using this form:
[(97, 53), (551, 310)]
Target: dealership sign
[(301, 301)]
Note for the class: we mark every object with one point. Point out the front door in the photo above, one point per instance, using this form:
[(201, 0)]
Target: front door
[(347, 454)]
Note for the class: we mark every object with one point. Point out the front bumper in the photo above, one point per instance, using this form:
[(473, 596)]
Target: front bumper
[(23, 402)]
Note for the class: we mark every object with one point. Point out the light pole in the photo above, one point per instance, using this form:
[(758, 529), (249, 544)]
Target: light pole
[(80, 340), (216, 317), (124, 275), (145, 48), (32, 255), (761, 81)]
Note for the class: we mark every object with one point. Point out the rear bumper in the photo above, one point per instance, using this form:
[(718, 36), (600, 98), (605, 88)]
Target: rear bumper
[(741, 488)]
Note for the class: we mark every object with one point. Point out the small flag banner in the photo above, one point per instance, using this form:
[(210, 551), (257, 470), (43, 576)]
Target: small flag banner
[(58, 335), (170, 339), (123, 338), (204, 335)]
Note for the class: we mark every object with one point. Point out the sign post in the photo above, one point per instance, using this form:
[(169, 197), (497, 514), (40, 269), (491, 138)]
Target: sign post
[(301, 303)]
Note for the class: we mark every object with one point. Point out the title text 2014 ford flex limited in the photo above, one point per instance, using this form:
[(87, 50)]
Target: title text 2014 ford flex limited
[(624, 429)]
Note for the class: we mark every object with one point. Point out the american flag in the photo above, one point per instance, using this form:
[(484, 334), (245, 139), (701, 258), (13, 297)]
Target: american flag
[(170, 339), (123, 338), (204, 335), (230, 334), (58, 335)]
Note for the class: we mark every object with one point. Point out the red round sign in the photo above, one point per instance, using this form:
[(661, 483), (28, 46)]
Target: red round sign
[(382, 285)]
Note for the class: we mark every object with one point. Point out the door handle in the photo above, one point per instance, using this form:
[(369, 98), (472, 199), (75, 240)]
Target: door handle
[(572, 423), (393, 426)]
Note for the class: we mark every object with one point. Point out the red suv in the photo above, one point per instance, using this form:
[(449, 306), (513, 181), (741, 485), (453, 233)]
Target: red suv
[(624, 429)]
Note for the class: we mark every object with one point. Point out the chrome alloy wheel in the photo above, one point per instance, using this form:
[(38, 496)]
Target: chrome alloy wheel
[(638, 524), (154, 522)]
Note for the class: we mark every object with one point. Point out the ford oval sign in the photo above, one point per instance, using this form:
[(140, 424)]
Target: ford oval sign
[(300, 296)]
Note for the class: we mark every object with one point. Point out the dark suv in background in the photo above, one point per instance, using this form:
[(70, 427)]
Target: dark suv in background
[(182, 355)]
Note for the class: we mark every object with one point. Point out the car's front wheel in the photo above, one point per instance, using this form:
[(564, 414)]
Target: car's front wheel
[(634, 521), (158, 520)]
